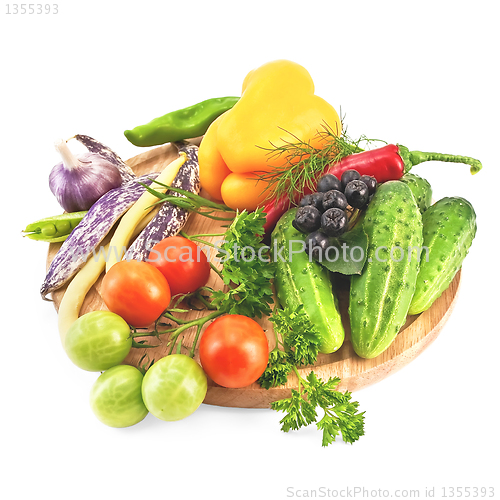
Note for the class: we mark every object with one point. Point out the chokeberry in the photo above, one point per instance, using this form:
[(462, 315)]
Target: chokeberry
[(313, 199), (334, 199), (316, 245), (307, 219), (327, 183), (348, 176), (370, 181), (357, 193), (334, 222)]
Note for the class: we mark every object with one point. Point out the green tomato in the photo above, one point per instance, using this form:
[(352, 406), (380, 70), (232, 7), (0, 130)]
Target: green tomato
[(98, 340), (116, 397), (174, 387)]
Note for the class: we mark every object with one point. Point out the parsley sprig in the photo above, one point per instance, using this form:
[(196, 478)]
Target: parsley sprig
[(340, 414), (246, 269), (297, 344)]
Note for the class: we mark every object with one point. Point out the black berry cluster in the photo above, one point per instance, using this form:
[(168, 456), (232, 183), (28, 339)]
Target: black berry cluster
[(324, 213)]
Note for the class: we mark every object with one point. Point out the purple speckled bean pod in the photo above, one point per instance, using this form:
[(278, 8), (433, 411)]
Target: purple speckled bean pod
[(89, 233), (170, 219), (94, 146)]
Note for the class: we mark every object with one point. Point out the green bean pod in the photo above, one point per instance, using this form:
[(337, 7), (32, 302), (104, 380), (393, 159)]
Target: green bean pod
[(301, 281), (449, 228), (54, 229), (181, 124), (380, 297)]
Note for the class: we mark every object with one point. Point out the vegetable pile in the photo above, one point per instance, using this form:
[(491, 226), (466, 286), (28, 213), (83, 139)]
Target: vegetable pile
[(277, 167)]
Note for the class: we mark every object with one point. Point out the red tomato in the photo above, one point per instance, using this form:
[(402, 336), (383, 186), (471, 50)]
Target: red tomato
[(234, 351), (182, 262), (136, 291)]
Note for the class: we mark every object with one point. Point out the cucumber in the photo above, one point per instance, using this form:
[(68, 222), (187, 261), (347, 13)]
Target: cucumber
[(449, 228), (301, 281), (379, 298), (421, 190)]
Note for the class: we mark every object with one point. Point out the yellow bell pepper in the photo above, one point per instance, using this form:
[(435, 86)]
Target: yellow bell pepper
[(277, 105)]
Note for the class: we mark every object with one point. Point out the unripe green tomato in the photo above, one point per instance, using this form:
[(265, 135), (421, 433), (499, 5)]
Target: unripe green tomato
[(174, 387), (116, 397), (98, 340)]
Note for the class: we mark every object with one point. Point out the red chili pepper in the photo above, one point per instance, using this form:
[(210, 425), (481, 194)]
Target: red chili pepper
[(387, 163)]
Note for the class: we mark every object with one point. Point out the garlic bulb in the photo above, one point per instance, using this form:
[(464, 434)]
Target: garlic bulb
[(79, 181)]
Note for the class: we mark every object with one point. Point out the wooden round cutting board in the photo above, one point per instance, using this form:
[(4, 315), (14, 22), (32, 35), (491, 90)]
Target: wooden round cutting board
[(417, 333)]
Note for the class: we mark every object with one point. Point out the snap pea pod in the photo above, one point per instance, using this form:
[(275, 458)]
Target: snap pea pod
[(54, 229), (181, 124)]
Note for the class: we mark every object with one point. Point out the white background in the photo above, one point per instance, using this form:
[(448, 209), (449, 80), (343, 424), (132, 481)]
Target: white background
[(423, 74)]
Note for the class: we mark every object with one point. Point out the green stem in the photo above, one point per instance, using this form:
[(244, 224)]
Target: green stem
[(206, 235), (197, 238), (213, 217), (276, 338), (219, 273), (198, 322), (210, 244), (208, 305), (193, 347), (141, 346), (298, 376), (412, 158), (144, 334), (179, 321), (179, 346), (354, 218)]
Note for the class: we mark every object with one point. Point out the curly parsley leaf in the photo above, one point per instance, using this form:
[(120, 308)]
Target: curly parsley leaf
[(341, 415), (301, 338), (277, 370), (298, 412), (245, 267)]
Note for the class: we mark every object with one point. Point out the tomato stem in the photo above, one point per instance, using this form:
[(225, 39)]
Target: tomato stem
[(205, 302), (179, 346), (189, 324), (177, 310), (138, 345), (179, 321), (205, 319)]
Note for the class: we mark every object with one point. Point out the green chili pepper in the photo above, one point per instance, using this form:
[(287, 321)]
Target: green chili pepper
[(54, 229), (186, 123)]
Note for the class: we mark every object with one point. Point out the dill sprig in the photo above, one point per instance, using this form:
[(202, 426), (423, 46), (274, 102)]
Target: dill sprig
[(303, 163)]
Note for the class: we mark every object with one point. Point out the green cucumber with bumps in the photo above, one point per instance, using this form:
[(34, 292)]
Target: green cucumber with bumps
[(299, 280), (380, 297), (449, 228), (421, 190)]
